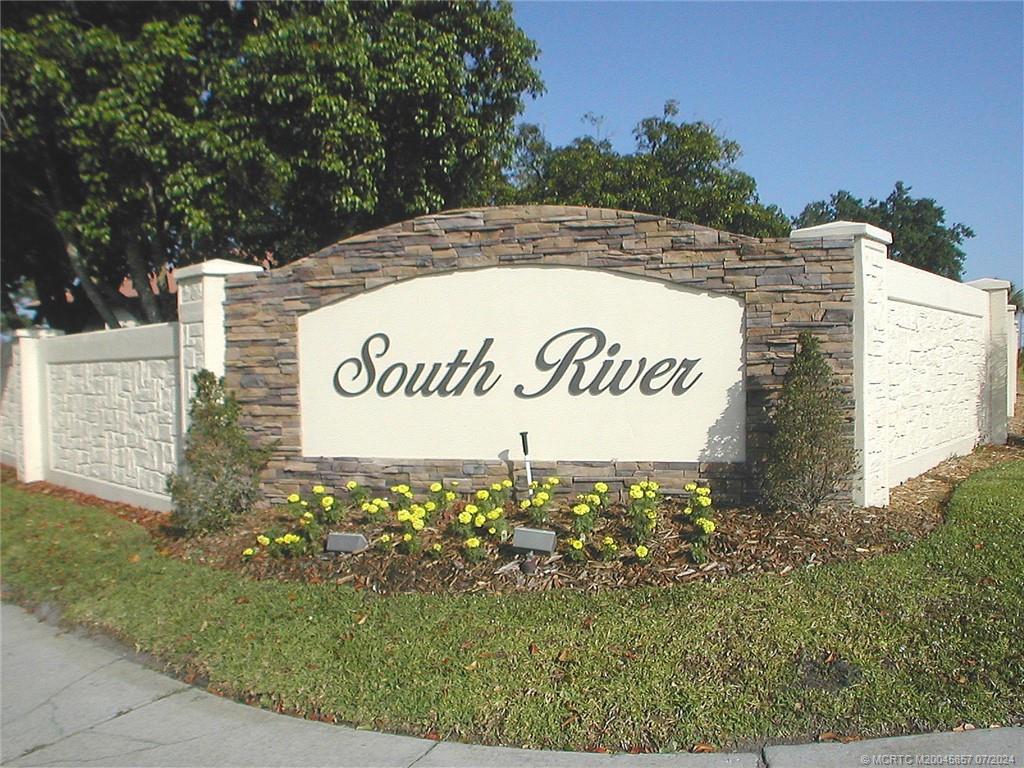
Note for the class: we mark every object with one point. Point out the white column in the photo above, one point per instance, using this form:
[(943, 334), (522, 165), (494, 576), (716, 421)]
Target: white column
[(997, 358), (201, 336), (33, 448), (870, 380)]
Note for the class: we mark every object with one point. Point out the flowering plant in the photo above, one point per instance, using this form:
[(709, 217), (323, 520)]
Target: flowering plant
[(576, 551), (473, 549), (539, 502), (699, 509), (642, 512), (609, 549)]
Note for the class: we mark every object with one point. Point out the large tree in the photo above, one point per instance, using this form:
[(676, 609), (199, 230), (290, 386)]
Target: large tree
[(681, 170), (141, 134), (920, 235)]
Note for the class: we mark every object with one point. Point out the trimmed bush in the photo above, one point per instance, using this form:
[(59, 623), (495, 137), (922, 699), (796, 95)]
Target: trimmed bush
[(220, 478), (809, 455)]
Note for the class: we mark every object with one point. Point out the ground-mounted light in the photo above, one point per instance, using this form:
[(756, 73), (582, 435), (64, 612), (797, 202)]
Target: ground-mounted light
[(346, 542), (533, 540)]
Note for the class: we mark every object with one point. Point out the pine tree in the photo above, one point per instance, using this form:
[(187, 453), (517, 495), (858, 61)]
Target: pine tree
[(809, 455)]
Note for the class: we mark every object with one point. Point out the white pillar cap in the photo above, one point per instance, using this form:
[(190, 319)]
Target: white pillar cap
[(836, 230), (214, 268), (990, 284)]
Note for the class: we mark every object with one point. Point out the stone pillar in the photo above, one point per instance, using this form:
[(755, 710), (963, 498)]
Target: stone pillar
[(201, 338), (870, 480), (34, 423), (997, 358)]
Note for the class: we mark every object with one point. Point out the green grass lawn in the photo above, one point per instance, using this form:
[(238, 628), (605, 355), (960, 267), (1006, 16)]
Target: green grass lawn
[(922, 640)]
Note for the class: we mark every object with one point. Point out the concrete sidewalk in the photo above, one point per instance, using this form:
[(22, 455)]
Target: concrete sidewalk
[(70, 700)]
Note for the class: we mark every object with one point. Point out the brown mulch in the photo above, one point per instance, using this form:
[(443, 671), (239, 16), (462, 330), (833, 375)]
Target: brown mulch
[(747, 541)]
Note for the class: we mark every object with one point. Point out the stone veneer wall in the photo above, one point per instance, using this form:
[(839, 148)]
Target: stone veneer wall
[(786, 287)]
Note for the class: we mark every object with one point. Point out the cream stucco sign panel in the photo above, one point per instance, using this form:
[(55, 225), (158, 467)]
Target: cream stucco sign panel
[(595, 366)]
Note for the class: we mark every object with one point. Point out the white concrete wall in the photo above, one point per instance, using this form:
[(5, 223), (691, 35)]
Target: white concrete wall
[(10, 403), (936, 370), (111, 417)]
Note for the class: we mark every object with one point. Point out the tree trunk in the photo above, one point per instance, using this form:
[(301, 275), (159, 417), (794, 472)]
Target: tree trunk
[(91, 291), (140, 280)]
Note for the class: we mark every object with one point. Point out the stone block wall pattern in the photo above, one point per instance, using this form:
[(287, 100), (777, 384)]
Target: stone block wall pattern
[(785, 286), (10, 403)]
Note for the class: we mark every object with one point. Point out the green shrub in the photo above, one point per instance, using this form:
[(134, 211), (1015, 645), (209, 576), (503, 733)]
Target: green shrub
[(809, 454), (220, 478)]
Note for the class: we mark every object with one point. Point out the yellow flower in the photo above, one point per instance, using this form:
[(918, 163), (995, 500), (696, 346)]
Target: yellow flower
[(304, 503), (495, 486), (318, 489), (608, 541), (537, 501), (644, 484), (651, 514), (642, 551), (649, 494), (385, 538), (382, 503), (636, 493), (403, 488), (449, 495), (552, 481), (430, 506), (291, 538), (292, 498), (307, 515), (327, 502), (483, 494), (653, 485), (472, 543), (703, 491), (403, 515), (479, 520), (494, 514), (506, 483), (417, 525), (707, 526), (593, 498), (465, 517), (580, 510), (248, 552), (406, 537), (280, 540), (351, 485), (691, 487), (263, 540), (524, 504), (576, 543), (367, 507), (437, 547), (472, 509), (418, 512), (543, 496), (688, 510), (704, 501), (435, 487), (601, 487), (492, 531)]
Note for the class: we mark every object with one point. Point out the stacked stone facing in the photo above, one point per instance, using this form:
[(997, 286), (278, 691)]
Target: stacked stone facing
[(786, 286)]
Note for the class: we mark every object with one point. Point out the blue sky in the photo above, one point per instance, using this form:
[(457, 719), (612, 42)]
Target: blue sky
[(820, 96)]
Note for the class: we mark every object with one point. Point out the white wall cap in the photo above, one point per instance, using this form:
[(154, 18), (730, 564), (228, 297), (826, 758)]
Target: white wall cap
[(37, 333), (214, 267), (990, 284), (838, 229)]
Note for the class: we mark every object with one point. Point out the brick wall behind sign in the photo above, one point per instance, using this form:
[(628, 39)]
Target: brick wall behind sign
[(786, 288), (115, 421)]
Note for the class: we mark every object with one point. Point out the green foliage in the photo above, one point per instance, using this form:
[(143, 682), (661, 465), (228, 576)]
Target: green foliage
[(137, 135), (221, 473), (934, 630), (809, 454), (920, 235), (681, 170)]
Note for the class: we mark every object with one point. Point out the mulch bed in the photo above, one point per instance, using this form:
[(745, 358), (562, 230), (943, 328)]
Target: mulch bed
[(747, 541)]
